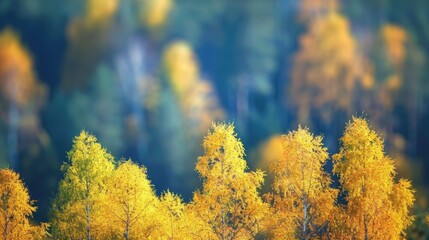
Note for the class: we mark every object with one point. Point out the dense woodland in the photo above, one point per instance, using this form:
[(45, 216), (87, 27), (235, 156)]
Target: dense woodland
[(149, 77), (103, 198)]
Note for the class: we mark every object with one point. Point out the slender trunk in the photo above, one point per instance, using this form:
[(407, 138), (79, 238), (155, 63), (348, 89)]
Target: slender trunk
[(222, 210), (88, 223), (5, 203), (6, 229), (88, 212), (304, 221), (127, 228), (365, 224)]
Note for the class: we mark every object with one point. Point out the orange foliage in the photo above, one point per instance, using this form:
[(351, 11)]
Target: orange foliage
[(270, 151), (377, 205), (395, 39), (326, 68), (302, 199), (18, 84)]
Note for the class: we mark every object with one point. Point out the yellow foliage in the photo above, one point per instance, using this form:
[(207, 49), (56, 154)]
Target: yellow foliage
[(368, 80), (131, 206), (303, 200), (377, 207), (196, 96), (16, 208), (173, 220), (270, 151), (326, 69), (395, 39), (18, 83), (228, 206), (181, 67), (154, 13), (97, 201), (78, 208), (98, 11)]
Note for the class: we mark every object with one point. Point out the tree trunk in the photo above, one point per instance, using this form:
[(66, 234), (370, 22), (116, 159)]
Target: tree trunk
[(365, 224)]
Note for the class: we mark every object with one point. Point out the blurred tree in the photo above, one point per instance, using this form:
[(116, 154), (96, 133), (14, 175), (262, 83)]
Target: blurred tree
[(257, 110), (196, 96), (229, 203), (267, 153), (131, 206), (90, 35), (97, 109), (326, 70), (25, 145), (21, 96), (19, 83), (388, 55), (154, 13), (419, 230), (377, 206), (175, 158), (303, 200), (77, 209), (16, 209), (310, 10), (187, 107)]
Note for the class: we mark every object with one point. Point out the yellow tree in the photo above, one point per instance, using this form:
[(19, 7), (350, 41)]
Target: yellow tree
[(21, 96), (228, 203), (154, 13), (77, 209), (89, 36), (172, 212), (377, 207), (196, 96), (131, 206), (16, 208), (303, 199), (19, 84), (327, 68)]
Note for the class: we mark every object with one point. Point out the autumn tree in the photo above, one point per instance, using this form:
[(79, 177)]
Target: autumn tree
[(328, 67), (377, 206), (172, 212), (196, 96), (89, 37), (187, 107), (77, 209), (131, 206), (21, 96), (154, 13), (302, 200), (228, 203), (16, 209)]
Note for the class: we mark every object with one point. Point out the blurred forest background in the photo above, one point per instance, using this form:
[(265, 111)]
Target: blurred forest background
[(148, 77)]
